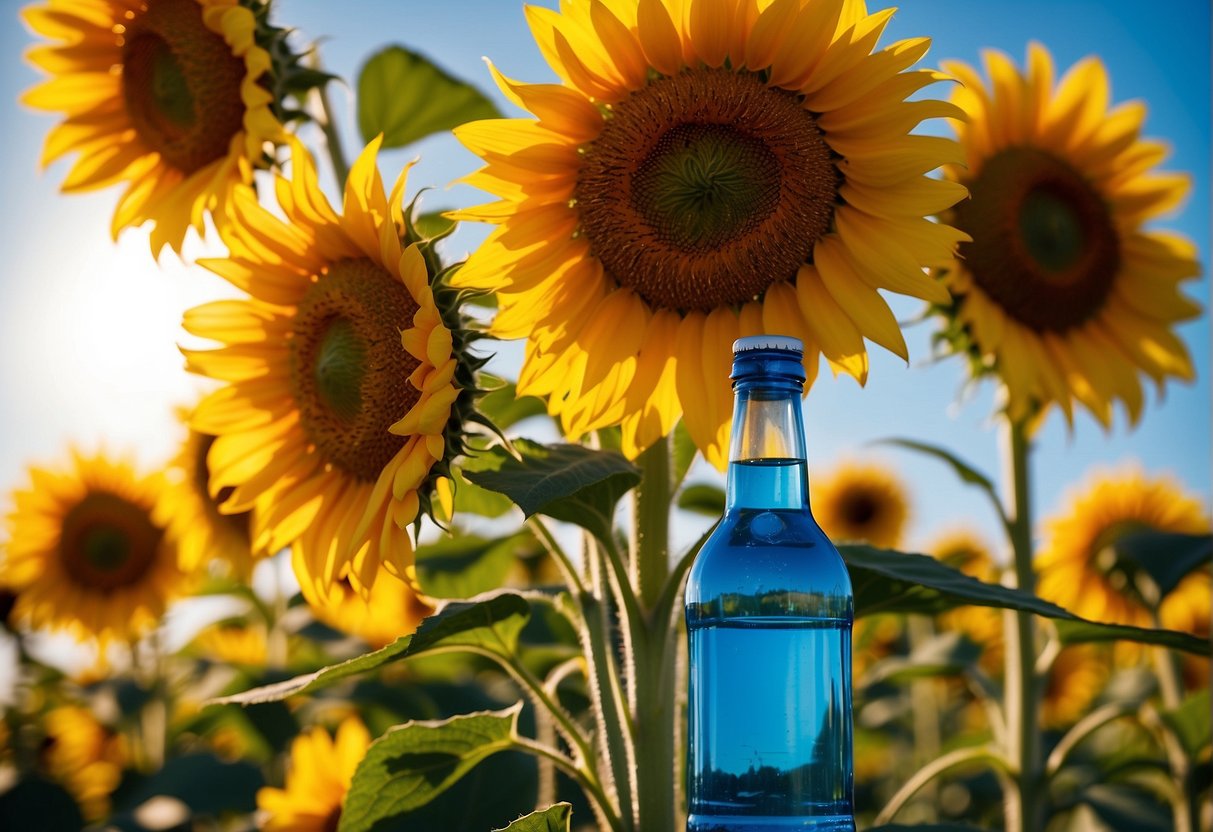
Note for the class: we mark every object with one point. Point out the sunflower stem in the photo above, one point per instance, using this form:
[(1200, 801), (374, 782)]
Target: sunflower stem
[(654, 646), (925, 708), (1023, 807)]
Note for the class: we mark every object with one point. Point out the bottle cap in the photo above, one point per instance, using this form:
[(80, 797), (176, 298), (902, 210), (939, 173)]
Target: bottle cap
[(768, 342)]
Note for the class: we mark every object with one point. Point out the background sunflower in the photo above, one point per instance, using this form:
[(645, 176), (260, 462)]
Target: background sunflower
[(165, 95)]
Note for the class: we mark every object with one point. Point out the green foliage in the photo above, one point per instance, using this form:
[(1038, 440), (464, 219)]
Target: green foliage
[(491, 624), (889, 581), (406, 97), (552, 819), (504, 406), (1165, 558), (465, 565), (1190, 722), (1124, 807), (207, 785), (413, 763), (943, 655), (702, 498), (567, 482)]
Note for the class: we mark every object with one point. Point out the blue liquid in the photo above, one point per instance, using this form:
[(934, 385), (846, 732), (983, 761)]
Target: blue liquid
[(769, 612)]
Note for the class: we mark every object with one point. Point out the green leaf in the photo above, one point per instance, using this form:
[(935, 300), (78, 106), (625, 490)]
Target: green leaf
[(204, 783), (413, 763), (1080, 631), (964, 470), (946, 654), (466, 565), (684, 453), (888, 581), (568, 482), (552, 819), (702, 498), (1127, 808), (472, 499), (505, 407), (406, 97), (1190, 722), (491, 623), (1166, 558)]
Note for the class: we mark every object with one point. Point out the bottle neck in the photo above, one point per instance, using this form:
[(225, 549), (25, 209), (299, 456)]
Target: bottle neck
[(767, 462)]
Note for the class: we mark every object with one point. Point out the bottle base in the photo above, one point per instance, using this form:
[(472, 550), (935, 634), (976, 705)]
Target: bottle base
[(739, 823)]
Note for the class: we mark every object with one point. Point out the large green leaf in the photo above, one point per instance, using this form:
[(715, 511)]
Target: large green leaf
[(492, 623), (504, 406), (567, 482), (946, 654), (406, 97), (962, 469), (203, 782), (464, 565), (889, 581), (1166, 558), (552, 819), (413, 763)]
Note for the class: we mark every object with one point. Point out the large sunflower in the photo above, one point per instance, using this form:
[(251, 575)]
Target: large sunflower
[(206, 533), (90, 549), (321, 768), (708, 169), (343, 381), (1079, 568), (165, 95), (1061, 291), (861, 502)]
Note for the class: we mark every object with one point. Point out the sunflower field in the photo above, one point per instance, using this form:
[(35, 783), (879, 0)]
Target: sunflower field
[(365, 403)]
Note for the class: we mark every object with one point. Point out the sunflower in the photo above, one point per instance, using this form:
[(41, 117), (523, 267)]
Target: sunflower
[(206, 533), (1080, 570), (168, 96), (318, 778), (708, 169), (391, 610), (90, 549), (861, 502), (84, 756), (1061, 292), (1077, 676), (344, 383), (234, 643)]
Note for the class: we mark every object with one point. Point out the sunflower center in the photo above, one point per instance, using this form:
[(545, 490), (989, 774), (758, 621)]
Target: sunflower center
[(349, 372), (108, 542), (860, 509), (1044, 245), (705, 188), (181, 84)]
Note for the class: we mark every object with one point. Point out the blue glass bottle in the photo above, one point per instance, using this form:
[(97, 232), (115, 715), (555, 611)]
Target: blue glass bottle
[(769, 612)]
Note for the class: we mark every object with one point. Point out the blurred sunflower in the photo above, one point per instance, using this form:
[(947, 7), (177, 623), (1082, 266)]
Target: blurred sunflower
[(1061, 292), (861, 502), (168, 96), (84, 756), (234, 643), (706, 170), (206, 534), (90, 549), (393, 609), (1080, 570), (1077, 677), (319, 775), (345, 378)]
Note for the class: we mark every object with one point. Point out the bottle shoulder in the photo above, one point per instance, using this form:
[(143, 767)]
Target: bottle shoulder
[(778, 557)]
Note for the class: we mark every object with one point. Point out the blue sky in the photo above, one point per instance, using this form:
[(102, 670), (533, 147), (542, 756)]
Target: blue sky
[(88, 330)]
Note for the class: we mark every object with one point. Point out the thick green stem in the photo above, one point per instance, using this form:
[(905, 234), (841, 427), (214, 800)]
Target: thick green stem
[(654, 647), (1024, 807), (650, 562), (925, 708)]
